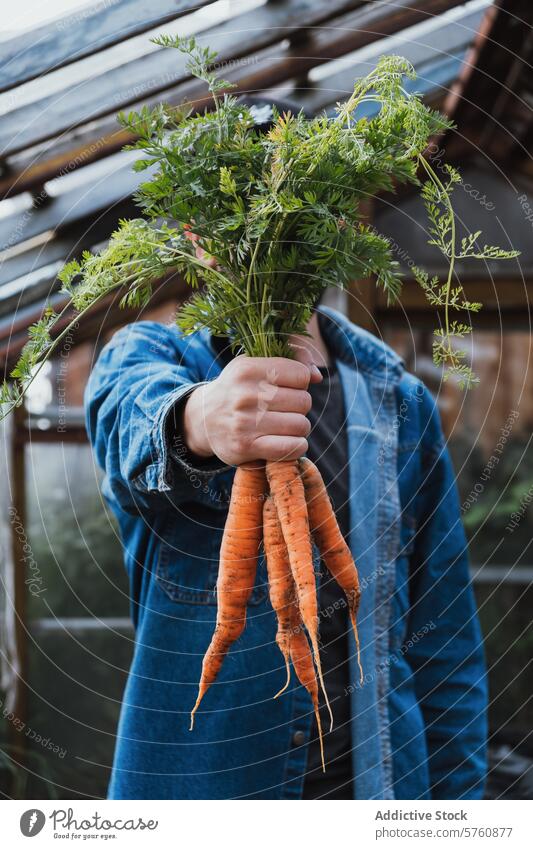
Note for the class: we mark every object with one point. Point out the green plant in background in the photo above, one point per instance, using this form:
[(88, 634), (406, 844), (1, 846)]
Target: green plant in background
[(279, 212), (491, 498)]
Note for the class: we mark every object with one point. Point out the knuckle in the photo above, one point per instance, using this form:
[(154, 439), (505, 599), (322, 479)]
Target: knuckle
[(240, 403), (300, 426), (291, 373), (244, 366), (294, 447), (236, 446), (284, 448), (244, 397), (240, 425), (272, 369)]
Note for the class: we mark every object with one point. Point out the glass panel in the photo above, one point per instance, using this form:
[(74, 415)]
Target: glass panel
[(55, 398), (77, 683), (505, 612), (489, 433), (489, 430), (30, 14), (73, 536)]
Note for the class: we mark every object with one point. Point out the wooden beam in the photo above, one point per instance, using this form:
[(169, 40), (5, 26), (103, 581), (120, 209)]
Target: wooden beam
[(483, 98), (510, 319), (59, 247), (505, 300), (14, 667), (271, 66), (105, 315), (155, 71), (454, 98), (86, 31), (70, 434), (97, 196)]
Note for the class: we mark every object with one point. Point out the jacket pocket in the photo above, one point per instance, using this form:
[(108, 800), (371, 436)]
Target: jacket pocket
[(191, 579)]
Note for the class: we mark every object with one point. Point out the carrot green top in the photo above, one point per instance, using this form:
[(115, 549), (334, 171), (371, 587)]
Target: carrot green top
[(281, 212)]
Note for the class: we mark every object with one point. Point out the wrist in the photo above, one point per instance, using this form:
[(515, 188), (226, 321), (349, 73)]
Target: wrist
[(193, 424)]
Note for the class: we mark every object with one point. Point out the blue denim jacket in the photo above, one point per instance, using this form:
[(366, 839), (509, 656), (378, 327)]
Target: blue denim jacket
[(419, 718)]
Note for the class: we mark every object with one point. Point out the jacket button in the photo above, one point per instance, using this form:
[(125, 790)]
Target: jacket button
[(298, 738)]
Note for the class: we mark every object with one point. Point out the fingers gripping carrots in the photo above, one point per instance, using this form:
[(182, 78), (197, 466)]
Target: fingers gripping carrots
[(283, 504)]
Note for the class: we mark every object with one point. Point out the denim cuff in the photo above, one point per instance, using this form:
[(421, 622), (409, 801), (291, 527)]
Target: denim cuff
[(176, 449)]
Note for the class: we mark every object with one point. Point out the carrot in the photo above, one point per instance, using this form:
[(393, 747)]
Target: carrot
[(280, 582), (302, 660), (332, 545), (238, 565), (290, 636), (286, 488)]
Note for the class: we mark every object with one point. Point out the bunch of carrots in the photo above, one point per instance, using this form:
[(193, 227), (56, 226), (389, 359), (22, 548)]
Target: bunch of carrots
[(283, 505)]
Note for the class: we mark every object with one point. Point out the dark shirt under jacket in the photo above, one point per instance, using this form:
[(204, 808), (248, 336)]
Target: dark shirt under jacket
[(328, 449)]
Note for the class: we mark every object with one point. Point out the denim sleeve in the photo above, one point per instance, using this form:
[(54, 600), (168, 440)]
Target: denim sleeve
[(448, 662), (130, 402)]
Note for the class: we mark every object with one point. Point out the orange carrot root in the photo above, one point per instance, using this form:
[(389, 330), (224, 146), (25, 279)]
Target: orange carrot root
[(280, 583), (287, 491), (332, 545), (287, 680), (298, 503), (290, 636), (302, 660), (238, 565)]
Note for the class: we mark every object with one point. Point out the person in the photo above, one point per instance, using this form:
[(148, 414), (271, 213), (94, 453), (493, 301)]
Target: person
[(170, 417)]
